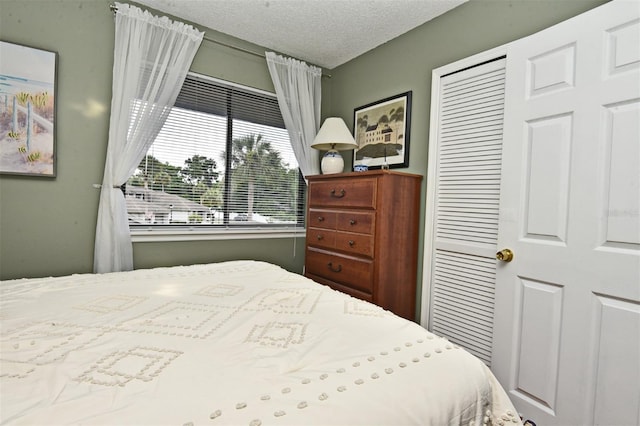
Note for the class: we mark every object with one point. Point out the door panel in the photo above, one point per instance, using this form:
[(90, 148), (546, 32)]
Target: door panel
[(541, 313), (547, 158), (621, 166), (567, 322), (617, 360)]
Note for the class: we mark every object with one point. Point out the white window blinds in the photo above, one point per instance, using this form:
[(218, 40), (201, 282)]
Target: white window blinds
[(222, 159)]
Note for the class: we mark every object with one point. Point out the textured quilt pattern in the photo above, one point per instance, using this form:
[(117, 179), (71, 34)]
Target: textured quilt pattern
[(234, 343)]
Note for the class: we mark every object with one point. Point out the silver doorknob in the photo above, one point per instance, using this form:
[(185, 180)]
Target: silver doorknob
[(505, 255)]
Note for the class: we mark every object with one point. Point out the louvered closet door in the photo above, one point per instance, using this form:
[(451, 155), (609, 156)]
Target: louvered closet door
[(466, 206)]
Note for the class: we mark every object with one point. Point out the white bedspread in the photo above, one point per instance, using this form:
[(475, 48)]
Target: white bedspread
[(241, 343)]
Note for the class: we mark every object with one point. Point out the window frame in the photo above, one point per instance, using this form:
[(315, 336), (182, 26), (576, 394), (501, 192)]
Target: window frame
[(186, 232)]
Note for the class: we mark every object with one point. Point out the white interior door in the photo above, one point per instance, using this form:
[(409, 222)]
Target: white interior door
[(567, 318), (463, 205)]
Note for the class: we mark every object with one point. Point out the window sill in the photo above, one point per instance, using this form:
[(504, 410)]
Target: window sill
[(154, 235)]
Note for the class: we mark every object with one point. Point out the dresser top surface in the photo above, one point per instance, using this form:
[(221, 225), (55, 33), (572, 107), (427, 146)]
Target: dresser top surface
[(370, 173)]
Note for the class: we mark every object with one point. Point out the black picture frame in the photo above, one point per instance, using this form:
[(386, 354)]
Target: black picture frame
[(382, 132), (27, 110)]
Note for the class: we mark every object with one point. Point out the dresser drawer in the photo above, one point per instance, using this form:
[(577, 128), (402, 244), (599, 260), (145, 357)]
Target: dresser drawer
[(354, 221), (357, 244), (355, 273), (319, 237), (322, 219), (358, 193), (360, 244), (341, 287)]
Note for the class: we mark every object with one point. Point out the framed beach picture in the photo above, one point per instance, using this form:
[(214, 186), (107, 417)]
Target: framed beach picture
[(381, 130), (27, 110)]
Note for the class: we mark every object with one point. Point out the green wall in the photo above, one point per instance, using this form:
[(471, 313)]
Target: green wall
[(406, 63), (47, 226)]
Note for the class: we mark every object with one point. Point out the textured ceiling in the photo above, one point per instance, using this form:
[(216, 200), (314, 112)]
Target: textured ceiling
[(326, 33)]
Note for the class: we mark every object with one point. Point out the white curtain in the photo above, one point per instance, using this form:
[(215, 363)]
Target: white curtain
[(298, 88), (151, 59)]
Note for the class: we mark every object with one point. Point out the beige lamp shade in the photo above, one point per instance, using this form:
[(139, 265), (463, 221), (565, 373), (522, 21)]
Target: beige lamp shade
[(333, 136)]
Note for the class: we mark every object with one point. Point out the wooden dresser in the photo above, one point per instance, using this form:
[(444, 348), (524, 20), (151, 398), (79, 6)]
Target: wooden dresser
[(362, 236)]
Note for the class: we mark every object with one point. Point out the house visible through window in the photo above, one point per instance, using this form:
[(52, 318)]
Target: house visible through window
[(223, 159)]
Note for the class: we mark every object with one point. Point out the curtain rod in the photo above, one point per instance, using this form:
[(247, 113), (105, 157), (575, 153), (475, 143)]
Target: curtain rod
[(114, 9)]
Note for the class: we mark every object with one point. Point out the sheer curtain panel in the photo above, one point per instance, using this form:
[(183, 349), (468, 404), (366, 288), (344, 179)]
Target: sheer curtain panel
[(298, 88), (151, 59)]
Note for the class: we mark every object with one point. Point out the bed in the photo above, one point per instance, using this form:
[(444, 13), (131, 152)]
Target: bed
[(231, 343)]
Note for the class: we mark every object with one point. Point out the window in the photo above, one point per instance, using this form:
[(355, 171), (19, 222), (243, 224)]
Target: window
[(222, 161)]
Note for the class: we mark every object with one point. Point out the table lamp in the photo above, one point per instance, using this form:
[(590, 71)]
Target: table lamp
[(333, 136)]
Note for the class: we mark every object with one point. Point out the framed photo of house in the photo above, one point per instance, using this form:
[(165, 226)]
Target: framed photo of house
[(381, 130), (27, 110)]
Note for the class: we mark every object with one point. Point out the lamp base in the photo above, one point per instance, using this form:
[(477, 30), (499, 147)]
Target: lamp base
[(332, 162)]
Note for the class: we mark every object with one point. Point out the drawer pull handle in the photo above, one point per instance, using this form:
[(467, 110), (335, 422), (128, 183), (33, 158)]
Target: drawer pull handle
[(319, 237), (338, 269), (352, 222), (334, 195), (351, 243), (320, 218)]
